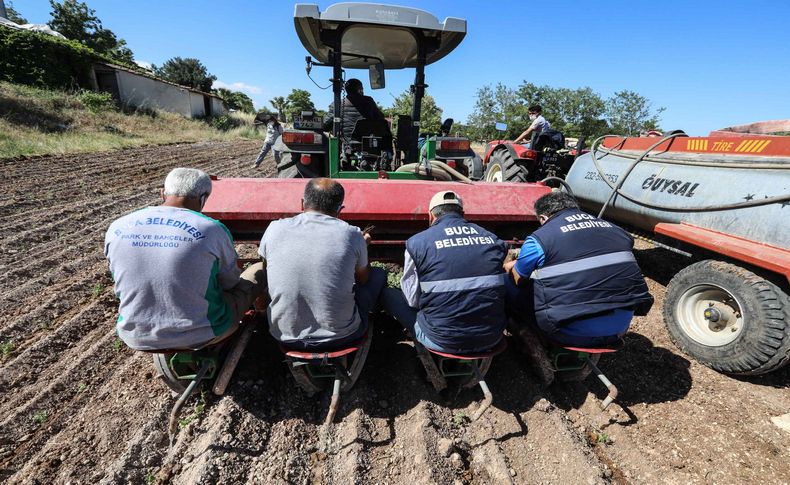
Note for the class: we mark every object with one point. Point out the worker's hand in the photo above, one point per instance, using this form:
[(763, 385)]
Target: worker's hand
[(512, 255), (366, 233), (508, 266)]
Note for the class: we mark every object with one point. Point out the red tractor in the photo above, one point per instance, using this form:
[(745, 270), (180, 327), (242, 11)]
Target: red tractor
[(548, 155)]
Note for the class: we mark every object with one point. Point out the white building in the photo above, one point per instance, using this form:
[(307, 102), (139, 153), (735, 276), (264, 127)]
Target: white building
[(137, 90)]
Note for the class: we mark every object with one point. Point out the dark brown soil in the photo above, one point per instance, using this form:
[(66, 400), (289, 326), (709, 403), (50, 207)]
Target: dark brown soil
[(77, 407)]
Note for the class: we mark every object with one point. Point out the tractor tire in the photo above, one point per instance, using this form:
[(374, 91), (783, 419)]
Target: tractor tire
[(577, 375), (728, 318), (287, 169), (474, 167), (502, 167), (161, 364)]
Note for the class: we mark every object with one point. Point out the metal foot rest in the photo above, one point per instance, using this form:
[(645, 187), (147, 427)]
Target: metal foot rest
[(474, 367), (569, 358), (313, 370)]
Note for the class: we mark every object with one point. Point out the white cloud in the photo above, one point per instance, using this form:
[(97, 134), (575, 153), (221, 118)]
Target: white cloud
[(244, 88), (144, 64)]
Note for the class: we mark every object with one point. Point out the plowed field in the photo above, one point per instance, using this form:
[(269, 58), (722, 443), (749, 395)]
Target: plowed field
[(77, 407)]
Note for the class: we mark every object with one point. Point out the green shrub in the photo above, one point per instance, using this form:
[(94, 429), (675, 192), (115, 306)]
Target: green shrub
[(224, 122), (97, 102), (42, 60)]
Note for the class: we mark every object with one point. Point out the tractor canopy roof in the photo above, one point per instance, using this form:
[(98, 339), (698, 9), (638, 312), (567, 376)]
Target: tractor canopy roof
[(386, 33)]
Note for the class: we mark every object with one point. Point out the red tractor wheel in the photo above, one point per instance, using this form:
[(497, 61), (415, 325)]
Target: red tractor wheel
[(502, 167)]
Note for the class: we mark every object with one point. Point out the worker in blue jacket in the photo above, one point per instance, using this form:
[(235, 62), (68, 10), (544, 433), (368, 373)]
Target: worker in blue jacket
[(452, 296), (576, 277)]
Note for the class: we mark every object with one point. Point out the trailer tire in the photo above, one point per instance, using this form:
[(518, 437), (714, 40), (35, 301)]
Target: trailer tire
[(728, 318), (502, 167), (475, 168), (287, 169)]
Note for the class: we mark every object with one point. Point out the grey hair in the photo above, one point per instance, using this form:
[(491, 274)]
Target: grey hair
[(187, 182)]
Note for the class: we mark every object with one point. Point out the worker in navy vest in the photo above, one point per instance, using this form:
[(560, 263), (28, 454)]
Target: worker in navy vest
[(453, 284), (576, 277)]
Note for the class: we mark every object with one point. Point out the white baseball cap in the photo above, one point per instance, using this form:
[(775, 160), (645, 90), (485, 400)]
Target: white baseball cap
[(445, 197)]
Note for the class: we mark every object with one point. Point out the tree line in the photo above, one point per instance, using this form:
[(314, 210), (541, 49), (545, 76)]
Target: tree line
[(574, 112)]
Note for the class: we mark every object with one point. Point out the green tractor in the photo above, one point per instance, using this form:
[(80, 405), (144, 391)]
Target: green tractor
[(376, 38)]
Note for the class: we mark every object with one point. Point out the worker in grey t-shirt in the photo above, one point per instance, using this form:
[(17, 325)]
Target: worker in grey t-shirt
[(320, 283), (176, 272)]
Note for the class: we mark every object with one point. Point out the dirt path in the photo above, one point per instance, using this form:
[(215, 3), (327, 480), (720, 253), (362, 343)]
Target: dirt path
[(76, 406)]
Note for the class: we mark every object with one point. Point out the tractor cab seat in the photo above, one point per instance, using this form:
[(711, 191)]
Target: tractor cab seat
[(365, 128), (548, 139)]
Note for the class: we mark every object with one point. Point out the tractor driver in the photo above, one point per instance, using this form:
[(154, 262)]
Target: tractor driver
[(321, 285), (576, 278), (175, 271), (538, 125), (356, 106), (453, 285)]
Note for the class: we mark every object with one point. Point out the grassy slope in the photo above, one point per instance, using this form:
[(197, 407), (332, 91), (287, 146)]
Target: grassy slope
[(37, 122)]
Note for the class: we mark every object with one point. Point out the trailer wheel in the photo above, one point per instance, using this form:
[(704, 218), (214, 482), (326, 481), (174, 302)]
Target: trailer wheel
[(728, 318), (286, 169), (502, 167), (175, 384)]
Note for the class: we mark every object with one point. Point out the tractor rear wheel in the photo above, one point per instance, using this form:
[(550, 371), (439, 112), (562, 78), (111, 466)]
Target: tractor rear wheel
[(286, 169), (502, 167), (728, 318)]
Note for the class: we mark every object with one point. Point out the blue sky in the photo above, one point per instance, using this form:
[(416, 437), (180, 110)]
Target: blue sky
[(710, 63)]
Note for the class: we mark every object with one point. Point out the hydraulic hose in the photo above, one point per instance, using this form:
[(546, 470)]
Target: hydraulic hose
[(616, 189), (437, 169), (560, 181), (629, 169)]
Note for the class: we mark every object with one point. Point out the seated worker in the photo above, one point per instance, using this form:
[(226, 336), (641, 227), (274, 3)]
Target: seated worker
[(453, 286), (175, 271), (538, 125), (356, 106), (580, 283), (313, 261)]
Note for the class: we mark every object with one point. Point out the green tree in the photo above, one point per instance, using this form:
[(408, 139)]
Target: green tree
[(629, 113), (77, 22), (494, 105), (280, 105), (186, 72), (299, 100), (574, 112), (430, 113), (236, 100), (13, 15)]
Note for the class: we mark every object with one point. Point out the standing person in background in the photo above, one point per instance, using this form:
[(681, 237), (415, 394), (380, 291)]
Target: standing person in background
[(273, 131), (538, 125)]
